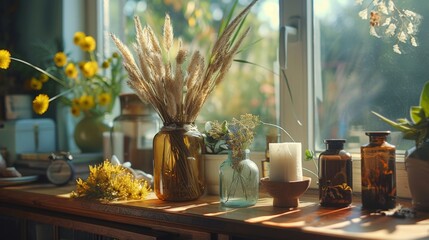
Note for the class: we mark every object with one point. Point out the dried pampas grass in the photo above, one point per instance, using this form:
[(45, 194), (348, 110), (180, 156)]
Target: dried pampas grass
[(175, 91)]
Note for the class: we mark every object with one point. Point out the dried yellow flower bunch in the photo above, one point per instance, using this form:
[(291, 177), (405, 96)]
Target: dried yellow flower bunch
[(107, 182), (177, 88), (385, 18)]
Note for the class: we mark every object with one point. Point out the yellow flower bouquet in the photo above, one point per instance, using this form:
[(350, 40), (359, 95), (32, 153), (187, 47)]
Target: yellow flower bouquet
[(87, 85)]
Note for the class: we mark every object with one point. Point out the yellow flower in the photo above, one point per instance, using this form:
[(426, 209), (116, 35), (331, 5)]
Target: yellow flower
[(198, 13), (4, 59), (41, 104), (107, 182), (43, 78), (104, 99), (192, 22), (75, 102), (35, 84), (88, 44), (60, 59), (75, 110), (94, 66), (89, 69), (86, 102), (71, 70), (78, 38)]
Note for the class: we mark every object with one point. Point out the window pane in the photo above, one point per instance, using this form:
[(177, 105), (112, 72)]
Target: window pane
[(247, 88), (360, 73)]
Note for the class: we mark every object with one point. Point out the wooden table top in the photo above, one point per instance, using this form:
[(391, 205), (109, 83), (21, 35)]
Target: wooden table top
[(263, 221)]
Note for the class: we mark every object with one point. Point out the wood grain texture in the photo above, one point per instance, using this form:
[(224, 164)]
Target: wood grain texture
[(205, 217)]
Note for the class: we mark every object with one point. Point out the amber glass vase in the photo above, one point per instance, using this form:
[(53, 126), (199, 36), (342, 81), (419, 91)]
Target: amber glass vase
[(178, 162), (378, 172)]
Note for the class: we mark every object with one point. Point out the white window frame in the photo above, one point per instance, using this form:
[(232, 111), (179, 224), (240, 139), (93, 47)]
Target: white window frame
[(301, 72), (297, 116)]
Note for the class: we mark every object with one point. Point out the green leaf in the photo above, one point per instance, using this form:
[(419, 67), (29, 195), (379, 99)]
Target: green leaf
[(237, 31), (399, 126), (255, 64), (416, 114), (224, 127), (403, 121), (226, 21), (424, 99), (309, 155)]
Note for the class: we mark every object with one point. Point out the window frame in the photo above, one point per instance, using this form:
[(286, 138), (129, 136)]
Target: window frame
[(301, 72)]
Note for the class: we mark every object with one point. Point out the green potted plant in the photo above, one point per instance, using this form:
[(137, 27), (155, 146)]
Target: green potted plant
[(416, 158)]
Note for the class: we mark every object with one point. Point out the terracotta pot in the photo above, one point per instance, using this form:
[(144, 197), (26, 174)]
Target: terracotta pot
[(417, 166)]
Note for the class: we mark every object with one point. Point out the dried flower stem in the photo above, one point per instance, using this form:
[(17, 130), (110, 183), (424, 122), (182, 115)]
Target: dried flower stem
[(176, 92)]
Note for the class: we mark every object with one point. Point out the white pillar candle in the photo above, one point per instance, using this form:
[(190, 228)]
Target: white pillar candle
[(285, 162)]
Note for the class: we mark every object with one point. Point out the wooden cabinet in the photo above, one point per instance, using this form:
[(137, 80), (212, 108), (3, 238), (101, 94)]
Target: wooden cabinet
[(46, 212)]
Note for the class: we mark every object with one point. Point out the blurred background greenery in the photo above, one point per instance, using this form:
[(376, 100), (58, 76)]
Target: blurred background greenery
[(247, 88)]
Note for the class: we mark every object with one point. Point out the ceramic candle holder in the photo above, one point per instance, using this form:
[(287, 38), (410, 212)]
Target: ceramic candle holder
[(286, 194)]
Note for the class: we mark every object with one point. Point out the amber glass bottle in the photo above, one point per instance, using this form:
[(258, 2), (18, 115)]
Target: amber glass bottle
[(335, 175), (378, 172)]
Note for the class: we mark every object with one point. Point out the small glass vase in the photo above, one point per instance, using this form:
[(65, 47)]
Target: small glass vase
[(88, 133), (178, 162), (239, 182)]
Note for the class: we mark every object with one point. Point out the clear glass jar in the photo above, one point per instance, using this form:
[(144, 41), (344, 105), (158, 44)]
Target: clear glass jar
[(178, 162), (378, 172), (135, 128), (335, 175), (239, 182)]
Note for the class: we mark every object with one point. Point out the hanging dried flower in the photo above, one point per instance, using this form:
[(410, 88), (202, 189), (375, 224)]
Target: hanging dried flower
[(385, 16)]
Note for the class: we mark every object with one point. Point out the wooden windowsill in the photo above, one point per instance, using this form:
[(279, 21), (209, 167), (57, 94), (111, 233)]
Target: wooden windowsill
[(262, 221)]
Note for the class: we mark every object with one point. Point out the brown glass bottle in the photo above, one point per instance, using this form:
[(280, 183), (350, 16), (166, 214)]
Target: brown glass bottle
[(378, 172), (335, 175)]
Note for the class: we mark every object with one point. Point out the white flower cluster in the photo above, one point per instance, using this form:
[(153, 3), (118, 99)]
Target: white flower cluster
[(385, 18)]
